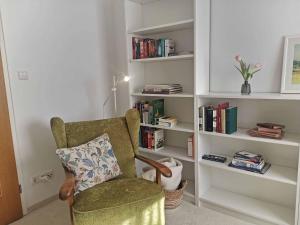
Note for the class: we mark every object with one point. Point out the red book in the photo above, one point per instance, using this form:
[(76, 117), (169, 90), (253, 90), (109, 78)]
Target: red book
[(146, 49), (142, 54), (268, 130), (221, 106)]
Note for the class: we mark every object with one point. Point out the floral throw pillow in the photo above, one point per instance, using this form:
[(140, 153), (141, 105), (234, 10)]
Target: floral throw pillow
[(92, 163)]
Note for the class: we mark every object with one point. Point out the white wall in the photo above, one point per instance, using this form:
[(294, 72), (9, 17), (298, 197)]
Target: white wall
[(255, 29), (65, 47)]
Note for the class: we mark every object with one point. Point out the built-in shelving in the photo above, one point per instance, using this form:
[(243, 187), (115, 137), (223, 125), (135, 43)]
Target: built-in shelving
[(158, 20), (289, 139), (276, 173), (162, 59), (169, 151), (181, 95), (183, 127), (263, 96), (164, 28), (272, 213)]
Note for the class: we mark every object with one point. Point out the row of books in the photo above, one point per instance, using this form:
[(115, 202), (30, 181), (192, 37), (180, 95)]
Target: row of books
[(151, 138), (267, 130), (150, 111), (221, 118), (162, 89), (250, 162), (148, 48)]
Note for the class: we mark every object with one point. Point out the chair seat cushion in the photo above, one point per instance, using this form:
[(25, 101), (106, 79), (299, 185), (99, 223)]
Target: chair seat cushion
[(113, 202), (115, 193)]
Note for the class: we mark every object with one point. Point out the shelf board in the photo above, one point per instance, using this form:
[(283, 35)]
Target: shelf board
[(180, 95), (268, 212), (169, 151), (161, 59), (263, 96), (289, 139), (184, 127), (275, 173), (164, 28), (144, 1)]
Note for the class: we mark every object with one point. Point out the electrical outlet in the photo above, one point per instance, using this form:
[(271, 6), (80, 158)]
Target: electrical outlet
[(45, 177), (23, 75)]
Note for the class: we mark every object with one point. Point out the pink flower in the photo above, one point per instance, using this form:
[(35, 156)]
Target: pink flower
[(238, 58), (258, 66)]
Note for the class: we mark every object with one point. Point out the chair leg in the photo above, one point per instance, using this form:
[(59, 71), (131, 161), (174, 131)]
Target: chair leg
[(71, 216)]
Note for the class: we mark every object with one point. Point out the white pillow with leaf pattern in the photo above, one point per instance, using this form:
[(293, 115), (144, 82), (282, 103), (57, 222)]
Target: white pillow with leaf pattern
[(92, 163)]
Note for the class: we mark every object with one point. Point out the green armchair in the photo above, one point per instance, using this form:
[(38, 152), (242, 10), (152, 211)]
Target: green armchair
[(126, 200)]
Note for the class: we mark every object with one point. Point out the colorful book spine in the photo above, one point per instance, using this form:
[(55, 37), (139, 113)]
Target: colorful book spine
[(231, 120)]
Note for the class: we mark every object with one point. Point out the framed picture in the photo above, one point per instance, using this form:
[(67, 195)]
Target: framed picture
[(290, 82)]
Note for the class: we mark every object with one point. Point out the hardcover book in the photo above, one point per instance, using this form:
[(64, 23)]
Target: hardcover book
[(231, 120), (158, 109)]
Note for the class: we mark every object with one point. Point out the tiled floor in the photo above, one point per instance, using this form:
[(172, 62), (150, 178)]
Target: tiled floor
[(57, 213)]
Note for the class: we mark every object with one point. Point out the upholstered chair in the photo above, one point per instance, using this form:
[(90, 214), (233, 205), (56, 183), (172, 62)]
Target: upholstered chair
[(125, 200)]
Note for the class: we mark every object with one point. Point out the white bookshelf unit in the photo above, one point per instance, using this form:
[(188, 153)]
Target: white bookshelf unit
[(271, 198), (166, 19), (196, 27)]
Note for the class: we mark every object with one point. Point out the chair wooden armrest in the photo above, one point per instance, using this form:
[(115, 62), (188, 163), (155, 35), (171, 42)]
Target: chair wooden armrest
[(160, 168), (67, 190)]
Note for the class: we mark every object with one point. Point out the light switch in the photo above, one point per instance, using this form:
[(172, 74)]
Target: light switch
[(23, 75)]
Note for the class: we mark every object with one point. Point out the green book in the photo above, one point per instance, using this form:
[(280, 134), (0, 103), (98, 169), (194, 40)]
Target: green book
[(231, 120), (158, 110)]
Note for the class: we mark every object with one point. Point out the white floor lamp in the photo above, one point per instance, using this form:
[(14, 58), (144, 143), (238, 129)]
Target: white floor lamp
[(116, 80)]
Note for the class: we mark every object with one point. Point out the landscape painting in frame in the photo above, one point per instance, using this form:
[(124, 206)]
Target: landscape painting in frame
[(290, 82), (296, 66)]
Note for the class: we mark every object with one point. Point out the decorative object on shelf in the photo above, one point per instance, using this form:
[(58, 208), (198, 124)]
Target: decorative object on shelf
[(268, 130), (249, 161), (162, 89), (247, 71), (290, 82), (221, 119), (117, 79), (173, 186)]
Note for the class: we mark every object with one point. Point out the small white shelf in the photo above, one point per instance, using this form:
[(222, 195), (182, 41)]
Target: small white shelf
[(169, 151), (144, 1), (161, 59), (164, 28), (184, 127), (262, 96), (275, 173), (268, 212), (289, 139), (181, 95)]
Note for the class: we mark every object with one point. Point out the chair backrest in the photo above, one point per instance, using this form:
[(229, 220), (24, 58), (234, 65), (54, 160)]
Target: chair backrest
[(123, 133)]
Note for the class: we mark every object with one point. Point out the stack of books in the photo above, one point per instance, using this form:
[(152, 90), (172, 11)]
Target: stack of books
[(251, 162), (149, 48), (150, 112), (167, 121), (151, 138), (267, 130), (162, 89), (221, 118)]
